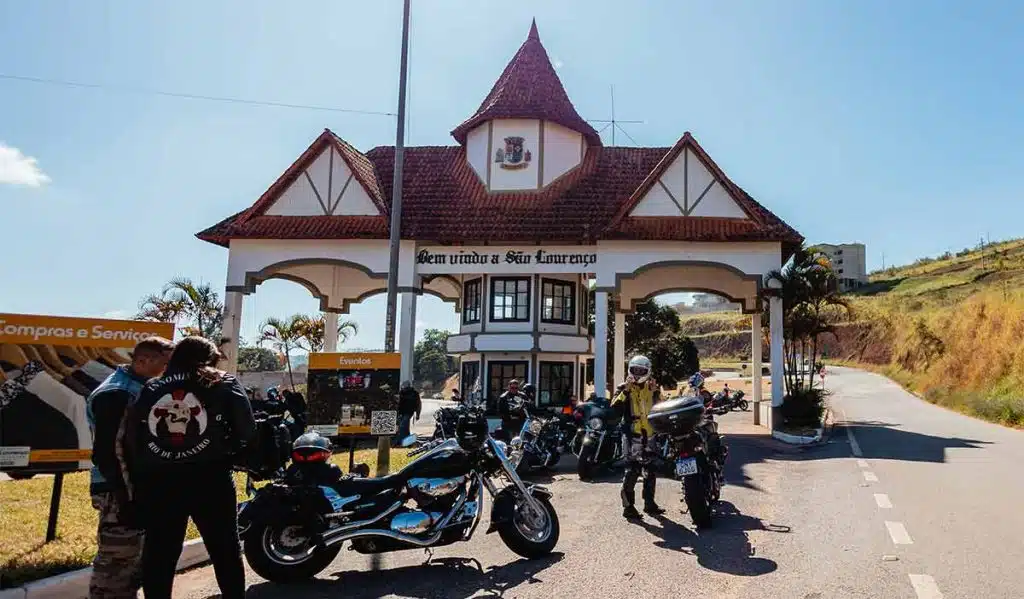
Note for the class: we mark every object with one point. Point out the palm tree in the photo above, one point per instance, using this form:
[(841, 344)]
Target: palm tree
[(808, 288), (195, 305), (284, 335), (314, 330)]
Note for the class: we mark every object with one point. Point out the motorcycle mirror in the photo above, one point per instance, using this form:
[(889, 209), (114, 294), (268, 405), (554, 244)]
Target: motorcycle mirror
[(408, 441)]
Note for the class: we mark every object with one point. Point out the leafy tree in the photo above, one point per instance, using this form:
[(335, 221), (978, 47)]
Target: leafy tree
[(257, 359), (194, 307), (314, 329), (284, 335), (652, 330), (431, 361)]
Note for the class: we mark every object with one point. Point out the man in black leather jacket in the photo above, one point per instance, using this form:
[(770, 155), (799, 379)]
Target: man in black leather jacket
[(511, 420), (183, 433)]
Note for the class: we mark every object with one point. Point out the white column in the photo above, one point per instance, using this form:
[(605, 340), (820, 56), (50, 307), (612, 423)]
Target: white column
[(755, 363), (619, 367), (775, 326), (601, 343), (231, 329), (330, 331), (407, 334)]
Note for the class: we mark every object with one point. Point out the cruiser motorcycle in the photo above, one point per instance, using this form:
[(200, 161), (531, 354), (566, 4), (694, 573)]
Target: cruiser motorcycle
[(598, 442), (691, 450), (540, 442), (294, 527)]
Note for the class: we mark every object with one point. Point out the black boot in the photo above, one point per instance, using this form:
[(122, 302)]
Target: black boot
[(652, 509), (630, 513)]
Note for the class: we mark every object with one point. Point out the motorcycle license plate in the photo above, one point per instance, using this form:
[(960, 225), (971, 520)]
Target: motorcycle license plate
[(686, 466)]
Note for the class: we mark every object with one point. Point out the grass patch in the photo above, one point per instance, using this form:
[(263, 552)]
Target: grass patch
[(24, 506)]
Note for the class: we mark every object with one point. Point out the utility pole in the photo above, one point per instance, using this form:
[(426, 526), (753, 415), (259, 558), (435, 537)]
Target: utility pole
[(384, 442)]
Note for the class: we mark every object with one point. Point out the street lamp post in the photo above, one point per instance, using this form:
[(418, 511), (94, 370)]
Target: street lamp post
[(383, 443)]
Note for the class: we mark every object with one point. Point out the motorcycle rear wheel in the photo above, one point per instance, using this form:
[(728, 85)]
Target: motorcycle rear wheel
[(696, 497), (528, 535), (263, 545)]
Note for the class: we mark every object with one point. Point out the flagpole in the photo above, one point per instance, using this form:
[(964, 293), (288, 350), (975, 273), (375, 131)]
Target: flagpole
[(383, 443)]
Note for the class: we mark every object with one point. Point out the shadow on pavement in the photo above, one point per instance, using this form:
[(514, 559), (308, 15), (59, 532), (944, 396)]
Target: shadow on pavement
[(724, 548), (886, 441), (454, 578)]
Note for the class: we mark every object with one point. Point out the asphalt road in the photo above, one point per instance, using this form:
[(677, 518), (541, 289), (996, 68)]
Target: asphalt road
[(800, 523)]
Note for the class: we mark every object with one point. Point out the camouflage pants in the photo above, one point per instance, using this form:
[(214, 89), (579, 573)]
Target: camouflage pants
[(116, 570)]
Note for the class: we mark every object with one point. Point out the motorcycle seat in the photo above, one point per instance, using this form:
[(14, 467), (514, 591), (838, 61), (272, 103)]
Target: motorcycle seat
[(367, 487)]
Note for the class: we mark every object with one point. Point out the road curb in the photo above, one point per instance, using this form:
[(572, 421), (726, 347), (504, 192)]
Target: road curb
[(75, 584), (798, 439)]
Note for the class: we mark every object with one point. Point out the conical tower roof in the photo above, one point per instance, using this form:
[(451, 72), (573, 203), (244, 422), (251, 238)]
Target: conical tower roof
[(529, 88)]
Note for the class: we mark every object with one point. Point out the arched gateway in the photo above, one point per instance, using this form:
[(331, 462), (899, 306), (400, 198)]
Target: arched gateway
[(515, 225)]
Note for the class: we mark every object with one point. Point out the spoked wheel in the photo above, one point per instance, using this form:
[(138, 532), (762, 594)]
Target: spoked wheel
[(285, 553), (529, 533)]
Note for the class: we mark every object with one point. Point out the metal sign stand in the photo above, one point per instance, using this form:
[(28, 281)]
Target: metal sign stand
[(58, 488)]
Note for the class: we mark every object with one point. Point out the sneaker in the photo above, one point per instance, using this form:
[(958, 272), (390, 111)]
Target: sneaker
[(630, 513), (653, 510)]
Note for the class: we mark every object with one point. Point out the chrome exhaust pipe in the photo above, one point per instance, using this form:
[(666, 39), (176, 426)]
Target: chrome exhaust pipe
[(328, 537)]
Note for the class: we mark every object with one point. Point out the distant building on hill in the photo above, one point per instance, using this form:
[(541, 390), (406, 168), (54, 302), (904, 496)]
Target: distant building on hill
[(849, 262), (709, 302)]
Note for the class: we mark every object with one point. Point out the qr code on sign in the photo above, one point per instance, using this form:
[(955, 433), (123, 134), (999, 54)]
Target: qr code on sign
[(383, 422)]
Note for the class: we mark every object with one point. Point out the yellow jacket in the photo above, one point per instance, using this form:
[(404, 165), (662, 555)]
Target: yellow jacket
[(638, 399)]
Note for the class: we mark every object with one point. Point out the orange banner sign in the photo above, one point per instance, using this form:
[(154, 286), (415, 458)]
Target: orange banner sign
[(81, 332), (365, 361)]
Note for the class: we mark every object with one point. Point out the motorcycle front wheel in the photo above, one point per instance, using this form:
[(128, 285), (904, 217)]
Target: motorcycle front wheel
[(744, 405), (585, 465), (283, 553), (696, 496), (528, 534)]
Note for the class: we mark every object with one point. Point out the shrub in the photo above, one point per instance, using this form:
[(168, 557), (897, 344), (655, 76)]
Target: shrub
[(804, 407)]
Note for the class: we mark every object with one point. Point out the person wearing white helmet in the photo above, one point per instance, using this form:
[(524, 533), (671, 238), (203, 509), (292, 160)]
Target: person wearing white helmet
[(635, 401)]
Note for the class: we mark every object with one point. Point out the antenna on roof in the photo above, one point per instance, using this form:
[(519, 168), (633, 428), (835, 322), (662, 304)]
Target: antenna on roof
[(613, 123)]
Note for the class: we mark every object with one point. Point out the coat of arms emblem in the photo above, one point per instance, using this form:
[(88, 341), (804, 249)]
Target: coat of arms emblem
[(513, 156)]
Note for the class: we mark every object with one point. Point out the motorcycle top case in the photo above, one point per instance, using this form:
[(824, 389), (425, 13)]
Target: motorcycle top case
[(678, 416)]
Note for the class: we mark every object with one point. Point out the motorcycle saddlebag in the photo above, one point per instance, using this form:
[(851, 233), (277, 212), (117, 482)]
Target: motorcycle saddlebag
[(678, 416), (269, 451)]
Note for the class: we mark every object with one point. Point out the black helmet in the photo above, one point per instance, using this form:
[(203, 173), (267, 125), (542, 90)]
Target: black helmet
[(530, 390), (311, 447)]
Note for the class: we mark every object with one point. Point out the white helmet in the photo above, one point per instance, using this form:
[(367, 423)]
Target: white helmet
[(639, 369)]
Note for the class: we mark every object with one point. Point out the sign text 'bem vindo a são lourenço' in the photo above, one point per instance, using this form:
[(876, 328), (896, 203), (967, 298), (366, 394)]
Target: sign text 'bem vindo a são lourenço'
[(495, 259)]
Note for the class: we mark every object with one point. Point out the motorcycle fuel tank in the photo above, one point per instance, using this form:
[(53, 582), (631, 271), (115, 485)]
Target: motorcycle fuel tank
[(446, 462), (436, 487)]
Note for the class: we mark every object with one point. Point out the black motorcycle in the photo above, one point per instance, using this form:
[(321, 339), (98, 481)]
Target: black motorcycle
[(598, 442), (541, 440), (294, 527), (691, 450), (724, 402)]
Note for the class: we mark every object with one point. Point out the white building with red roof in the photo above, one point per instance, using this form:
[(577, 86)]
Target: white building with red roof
[(519, 225)]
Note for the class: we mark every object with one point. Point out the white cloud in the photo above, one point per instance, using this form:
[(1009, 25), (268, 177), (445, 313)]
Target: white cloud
[(557, 63), (119, 315), (19, 169)]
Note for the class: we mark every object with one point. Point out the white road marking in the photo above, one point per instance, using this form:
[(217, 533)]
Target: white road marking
[(899, 533), (870, 476), (854, 446), (883, 501), (863, 463), (925, 586)]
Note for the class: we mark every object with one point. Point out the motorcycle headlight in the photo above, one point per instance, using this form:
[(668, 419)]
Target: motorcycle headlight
[(536, 426), (595, 423), (517, 443)]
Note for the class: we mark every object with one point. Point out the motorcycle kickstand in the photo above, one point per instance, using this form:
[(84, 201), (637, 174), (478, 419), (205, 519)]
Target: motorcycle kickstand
[(430, 555)]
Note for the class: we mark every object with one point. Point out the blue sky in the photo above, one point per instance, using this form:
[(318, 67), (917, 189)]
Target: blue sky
[(896, 124)]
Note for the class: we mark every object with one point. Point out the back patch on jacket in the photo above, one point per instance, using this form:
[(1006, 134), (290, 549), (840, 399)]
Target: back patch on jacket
[(172, 423)]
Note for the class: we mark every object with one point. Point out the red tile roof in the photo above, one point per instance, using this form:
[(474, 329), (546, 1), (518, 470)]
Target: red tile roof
[(529, 88), (445, 202)]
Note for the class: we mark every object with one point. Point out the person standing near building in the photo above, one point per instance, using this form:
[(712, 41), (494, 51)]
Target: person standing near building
[(635, 402), (184, 432), (409, 404), (115, 570)]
